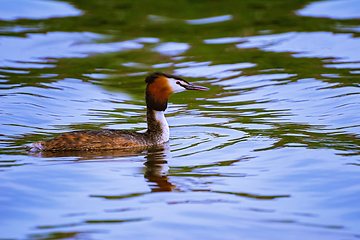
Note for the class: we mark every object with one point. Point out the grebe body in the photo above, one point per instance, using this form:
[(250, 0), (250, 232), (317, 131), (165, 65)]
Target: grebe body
[(158, 90)]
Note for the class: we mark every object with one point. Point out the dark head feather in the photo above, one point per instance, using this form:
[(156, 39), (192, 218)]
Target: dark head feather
[(152, 76), (157, 95), (152, 103)]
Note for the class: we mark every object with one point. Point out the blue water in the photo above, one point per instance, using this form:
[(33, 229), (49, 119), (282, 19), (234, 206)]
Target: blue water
[(270, 152)]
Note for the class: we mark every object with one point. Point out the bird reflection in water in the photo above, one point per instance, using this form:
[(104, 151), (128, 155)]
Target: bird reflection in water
[(156, 167), (156, 170)]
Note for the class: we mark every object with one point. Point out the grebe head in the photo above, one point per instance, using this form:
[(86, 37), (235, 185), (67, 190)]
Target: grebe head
[(161, 85)]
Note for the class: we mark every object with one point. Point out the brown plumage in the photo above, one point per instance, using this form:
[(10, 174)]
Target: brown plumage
[(158, 90), (95, 139)]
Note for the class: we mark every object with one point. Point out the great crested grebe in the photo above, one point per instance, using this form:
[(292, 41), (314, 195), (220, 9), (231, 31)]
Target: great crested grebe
[(158, 90)]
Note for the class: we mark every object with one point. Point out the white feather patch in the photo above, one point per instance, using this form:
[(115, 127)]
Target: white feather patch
[(175, 87), (160, 117), (34, 147)]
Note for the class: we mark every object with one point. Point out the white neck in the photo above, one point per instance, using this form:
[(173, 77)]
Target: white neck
[(160, 118)]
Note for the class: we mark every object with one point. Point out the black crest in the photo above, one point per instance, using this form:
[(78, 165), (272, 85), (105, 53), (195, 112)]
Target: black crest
[(150, 100), (152, 76)]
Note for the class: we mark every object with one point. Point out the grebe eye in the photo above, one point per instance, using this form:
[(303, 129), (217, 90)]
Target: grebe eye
[(178, 82)]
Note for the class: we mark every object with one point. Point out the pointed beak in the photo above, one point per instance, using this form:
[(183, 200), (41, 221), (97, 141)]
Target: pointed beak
[(195, 87)]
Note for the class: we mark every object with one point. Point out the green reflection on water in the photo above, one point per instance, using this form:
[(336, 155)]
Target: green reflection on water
[(127, 20), (166, 21)]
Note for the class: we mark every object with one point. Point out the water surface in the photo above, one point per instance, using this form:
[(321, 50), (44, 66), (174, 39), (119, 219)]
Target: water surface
[(270, 152)]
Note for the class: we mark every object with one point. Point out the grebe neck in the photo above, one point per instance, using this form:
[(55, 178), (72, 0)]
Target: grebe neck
[(158, 128)]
